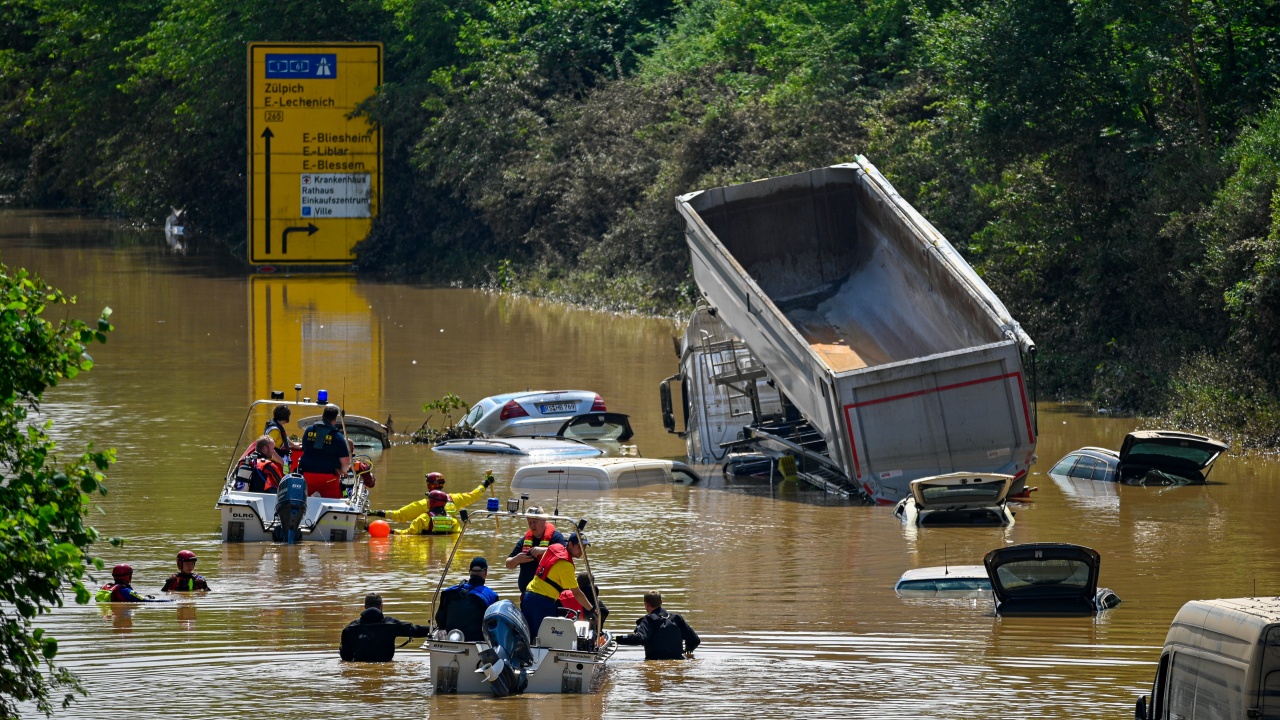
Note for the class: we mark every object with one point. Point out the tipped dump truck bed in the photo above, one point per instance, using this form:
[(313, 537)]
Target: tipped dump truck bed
[(868, 320)]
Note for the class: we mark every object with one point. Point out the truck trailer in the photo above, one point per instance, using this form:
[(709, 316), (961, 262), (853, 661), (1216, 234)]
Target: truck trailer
[(894, 360)]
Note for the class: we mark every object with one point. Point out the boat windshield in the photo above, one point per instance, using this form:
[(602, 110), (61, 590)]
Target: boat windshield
[(1030, 578)]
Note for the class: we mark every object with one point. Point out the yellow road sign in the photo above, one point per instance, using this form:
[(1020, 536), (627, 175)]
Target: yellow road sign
[(315, 174)]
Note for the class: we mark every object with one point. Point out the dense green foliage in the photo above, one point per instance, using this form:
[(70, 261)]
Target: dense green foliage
[(44, 542), (1108, 165)]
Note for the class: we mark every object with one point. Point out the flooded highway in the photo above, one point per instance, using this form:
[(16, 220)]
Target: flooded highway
[(791, 592)]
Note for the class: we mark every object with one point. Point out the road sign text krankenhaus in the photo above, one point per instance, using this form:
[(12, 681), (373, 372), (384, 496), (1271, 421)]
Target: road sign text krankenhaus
[(315, 172)]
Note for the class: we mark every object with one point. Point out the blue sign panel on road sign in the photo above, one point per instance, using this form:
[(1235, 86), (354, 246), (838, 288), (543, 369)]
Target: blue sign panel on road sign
[(301, 66)]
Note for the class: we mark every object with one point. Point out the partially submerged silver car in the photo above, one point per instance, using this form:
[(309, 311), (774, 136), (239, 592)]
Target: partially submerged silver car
[(944, 581), (957, 499), (1147, 457), (1047, 579)]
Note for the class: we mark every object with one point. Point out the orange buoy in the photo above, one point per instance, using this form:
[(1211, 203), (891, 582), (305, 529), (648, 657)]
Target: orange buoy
[(379, 529)]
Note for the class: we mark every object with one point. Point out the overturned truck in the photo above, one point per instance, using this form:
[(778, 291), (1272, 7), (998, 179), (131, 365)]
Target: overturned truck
[(891, 358)]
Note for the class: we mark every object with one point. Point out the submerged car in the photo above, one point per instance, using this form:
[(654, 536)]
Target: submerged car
[(1047, 578), (602, 474), (532, 447), (533, 412), (944, 581), (957, 499), (362, 431), (1147, 457)]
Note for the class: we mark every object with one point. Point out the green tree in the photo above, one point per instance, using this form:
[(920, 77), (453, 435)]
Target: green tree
[(44, 542)]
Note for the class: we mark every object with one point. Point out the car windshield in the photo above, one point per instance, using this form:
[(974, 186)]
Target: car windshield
[(597, 428), (1035, 577), (1193, 455), (944, 494), (932, 585)]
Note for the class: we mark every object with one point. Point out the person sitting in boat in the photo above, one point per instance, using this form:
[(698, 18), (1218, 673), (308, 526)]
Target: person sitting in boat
[(415, 512), (554, 575), (462, 606), (275, 429), (664, 635), (186, 579), (541, 534), (120, 588), (258, 472), (325, 456), (570, 602), (372, 637)]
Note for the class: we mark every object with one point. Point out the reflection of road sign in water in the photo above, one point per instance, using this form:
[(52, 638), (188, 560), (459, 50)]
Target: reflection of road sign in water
[(315, 174), (317, 330)]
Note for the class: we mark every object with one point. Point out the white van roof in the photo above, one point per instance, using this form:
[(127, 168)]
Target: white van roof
[(593, 474), (1229, 626)]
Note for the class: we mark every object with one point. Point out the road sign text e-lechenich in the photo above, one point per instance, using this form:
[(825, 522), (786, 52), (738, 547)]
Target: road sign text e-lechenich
[(315, 172)]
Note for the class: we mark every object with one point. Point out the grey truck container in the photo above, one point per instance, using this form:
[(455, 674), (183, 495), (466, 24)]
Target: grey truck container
[(868, 320)]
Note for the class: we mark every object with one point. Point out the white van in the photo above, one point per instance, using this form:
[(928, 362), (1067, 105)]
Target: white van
[(601, 474), (1221, 659)]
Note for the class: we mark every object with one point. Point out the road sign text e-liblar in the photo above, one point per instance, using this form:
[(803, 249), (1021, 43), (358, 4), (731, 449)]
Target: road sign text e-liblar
[(315, 174)]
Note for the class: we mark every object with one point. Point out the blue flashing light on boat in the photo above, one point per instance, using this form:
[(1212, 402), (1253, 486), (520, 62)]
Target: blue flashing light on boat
[(322, 397)]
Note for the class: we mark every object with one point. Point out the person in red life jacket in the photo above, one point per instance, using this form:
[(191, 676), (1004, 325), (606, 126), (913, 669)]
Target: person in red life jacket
[(257, 472), (541, 534), (569, 601), (419, 513), (554, 575), (664, 635), (325, 456), (372, 637), (120, 589), (279, 434), (186, 579)]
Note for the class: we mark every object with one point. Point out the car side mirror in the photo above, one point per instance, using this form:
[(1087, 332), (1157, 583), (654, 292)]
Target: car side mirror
[(1140, 709)]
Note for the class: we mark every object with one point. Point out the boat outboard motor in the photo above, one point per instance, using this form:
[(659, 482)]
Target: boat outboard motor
[(508, 636), (291, 507)]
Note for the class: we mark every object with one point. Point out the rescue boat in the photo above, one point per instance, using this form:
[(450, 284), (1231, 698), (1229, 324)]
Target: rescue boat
[(564, 655), (286, 513)]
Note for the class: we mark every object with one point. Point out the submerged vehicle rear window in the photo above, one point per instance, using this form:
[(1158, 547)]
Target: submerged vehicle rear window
[(978, 492), (1055, 576), (945, 585), (1193, 455)]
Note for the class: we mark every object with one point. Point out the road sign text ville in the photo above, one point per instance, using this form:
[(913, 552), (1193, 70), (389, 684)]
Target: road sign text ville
[(315, 172)]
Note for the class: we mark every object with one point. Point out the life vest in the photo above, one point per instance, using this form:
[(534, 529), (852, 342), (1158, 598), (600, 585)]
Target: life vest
[(111, 592), (546, 537), (441, 523), (553, 555), (182, 579), (282, 448), (256, 473)]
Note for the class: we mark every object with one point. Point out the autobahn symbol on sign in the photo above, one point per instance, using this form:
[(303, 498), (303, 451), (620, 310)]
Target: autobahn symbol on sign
[(315, 166)]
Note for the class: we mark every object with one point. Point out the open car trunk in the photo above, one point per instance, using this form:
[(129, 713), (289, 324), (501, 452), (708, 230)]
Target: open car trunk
[(1167, 457), (1048, 578)]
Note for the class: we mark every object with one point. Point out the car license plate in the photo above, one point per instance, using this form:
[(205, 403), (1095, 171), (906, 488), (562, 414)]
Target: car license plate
[(551, 408)]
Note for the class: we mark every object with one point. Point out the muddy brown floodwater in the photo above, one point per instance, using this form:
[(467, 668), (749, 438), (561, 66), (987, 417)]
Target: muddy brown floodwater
[(793, 595)]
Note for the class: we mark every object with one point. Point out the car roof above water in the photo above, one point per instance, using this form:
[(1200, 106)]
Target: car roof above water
[(1227, 626)]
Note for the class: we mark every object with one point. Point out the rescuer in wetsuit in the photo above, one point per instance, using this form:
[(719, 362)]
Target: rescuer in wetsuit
[(372, 638), (186, 579), (119, 589), (325, 456), (421, 512), (664, 635)]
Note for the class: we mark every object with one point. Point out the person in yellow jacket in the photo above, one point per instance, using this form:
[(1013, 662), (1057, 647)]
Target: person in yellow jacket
[(435, 515)]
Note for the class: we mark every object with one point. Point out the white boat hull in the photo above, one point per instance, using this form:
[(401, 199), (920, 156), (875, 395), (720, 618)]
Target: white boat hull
[(454, 665), (250, 517)]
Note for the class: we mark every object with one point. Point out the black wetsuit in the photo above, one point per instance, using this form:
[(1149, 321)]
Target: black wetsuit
[(661, 633), (372, 638)]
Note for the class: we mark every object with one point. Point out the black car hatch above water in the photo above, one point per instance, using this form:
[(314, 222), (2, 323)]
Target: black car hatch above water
[(1048, 578), (1185, 455)]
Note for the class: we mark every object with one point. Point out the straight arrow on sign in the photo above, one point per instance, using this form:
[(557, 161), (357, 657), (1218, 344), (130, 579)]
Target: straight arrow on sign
[(266, 193)]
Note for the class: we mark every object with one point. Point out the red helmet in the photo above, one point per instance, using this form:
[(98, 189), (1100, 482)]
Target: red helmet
[(186, 555), (437, 499), (122, 571), (435, 480)]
